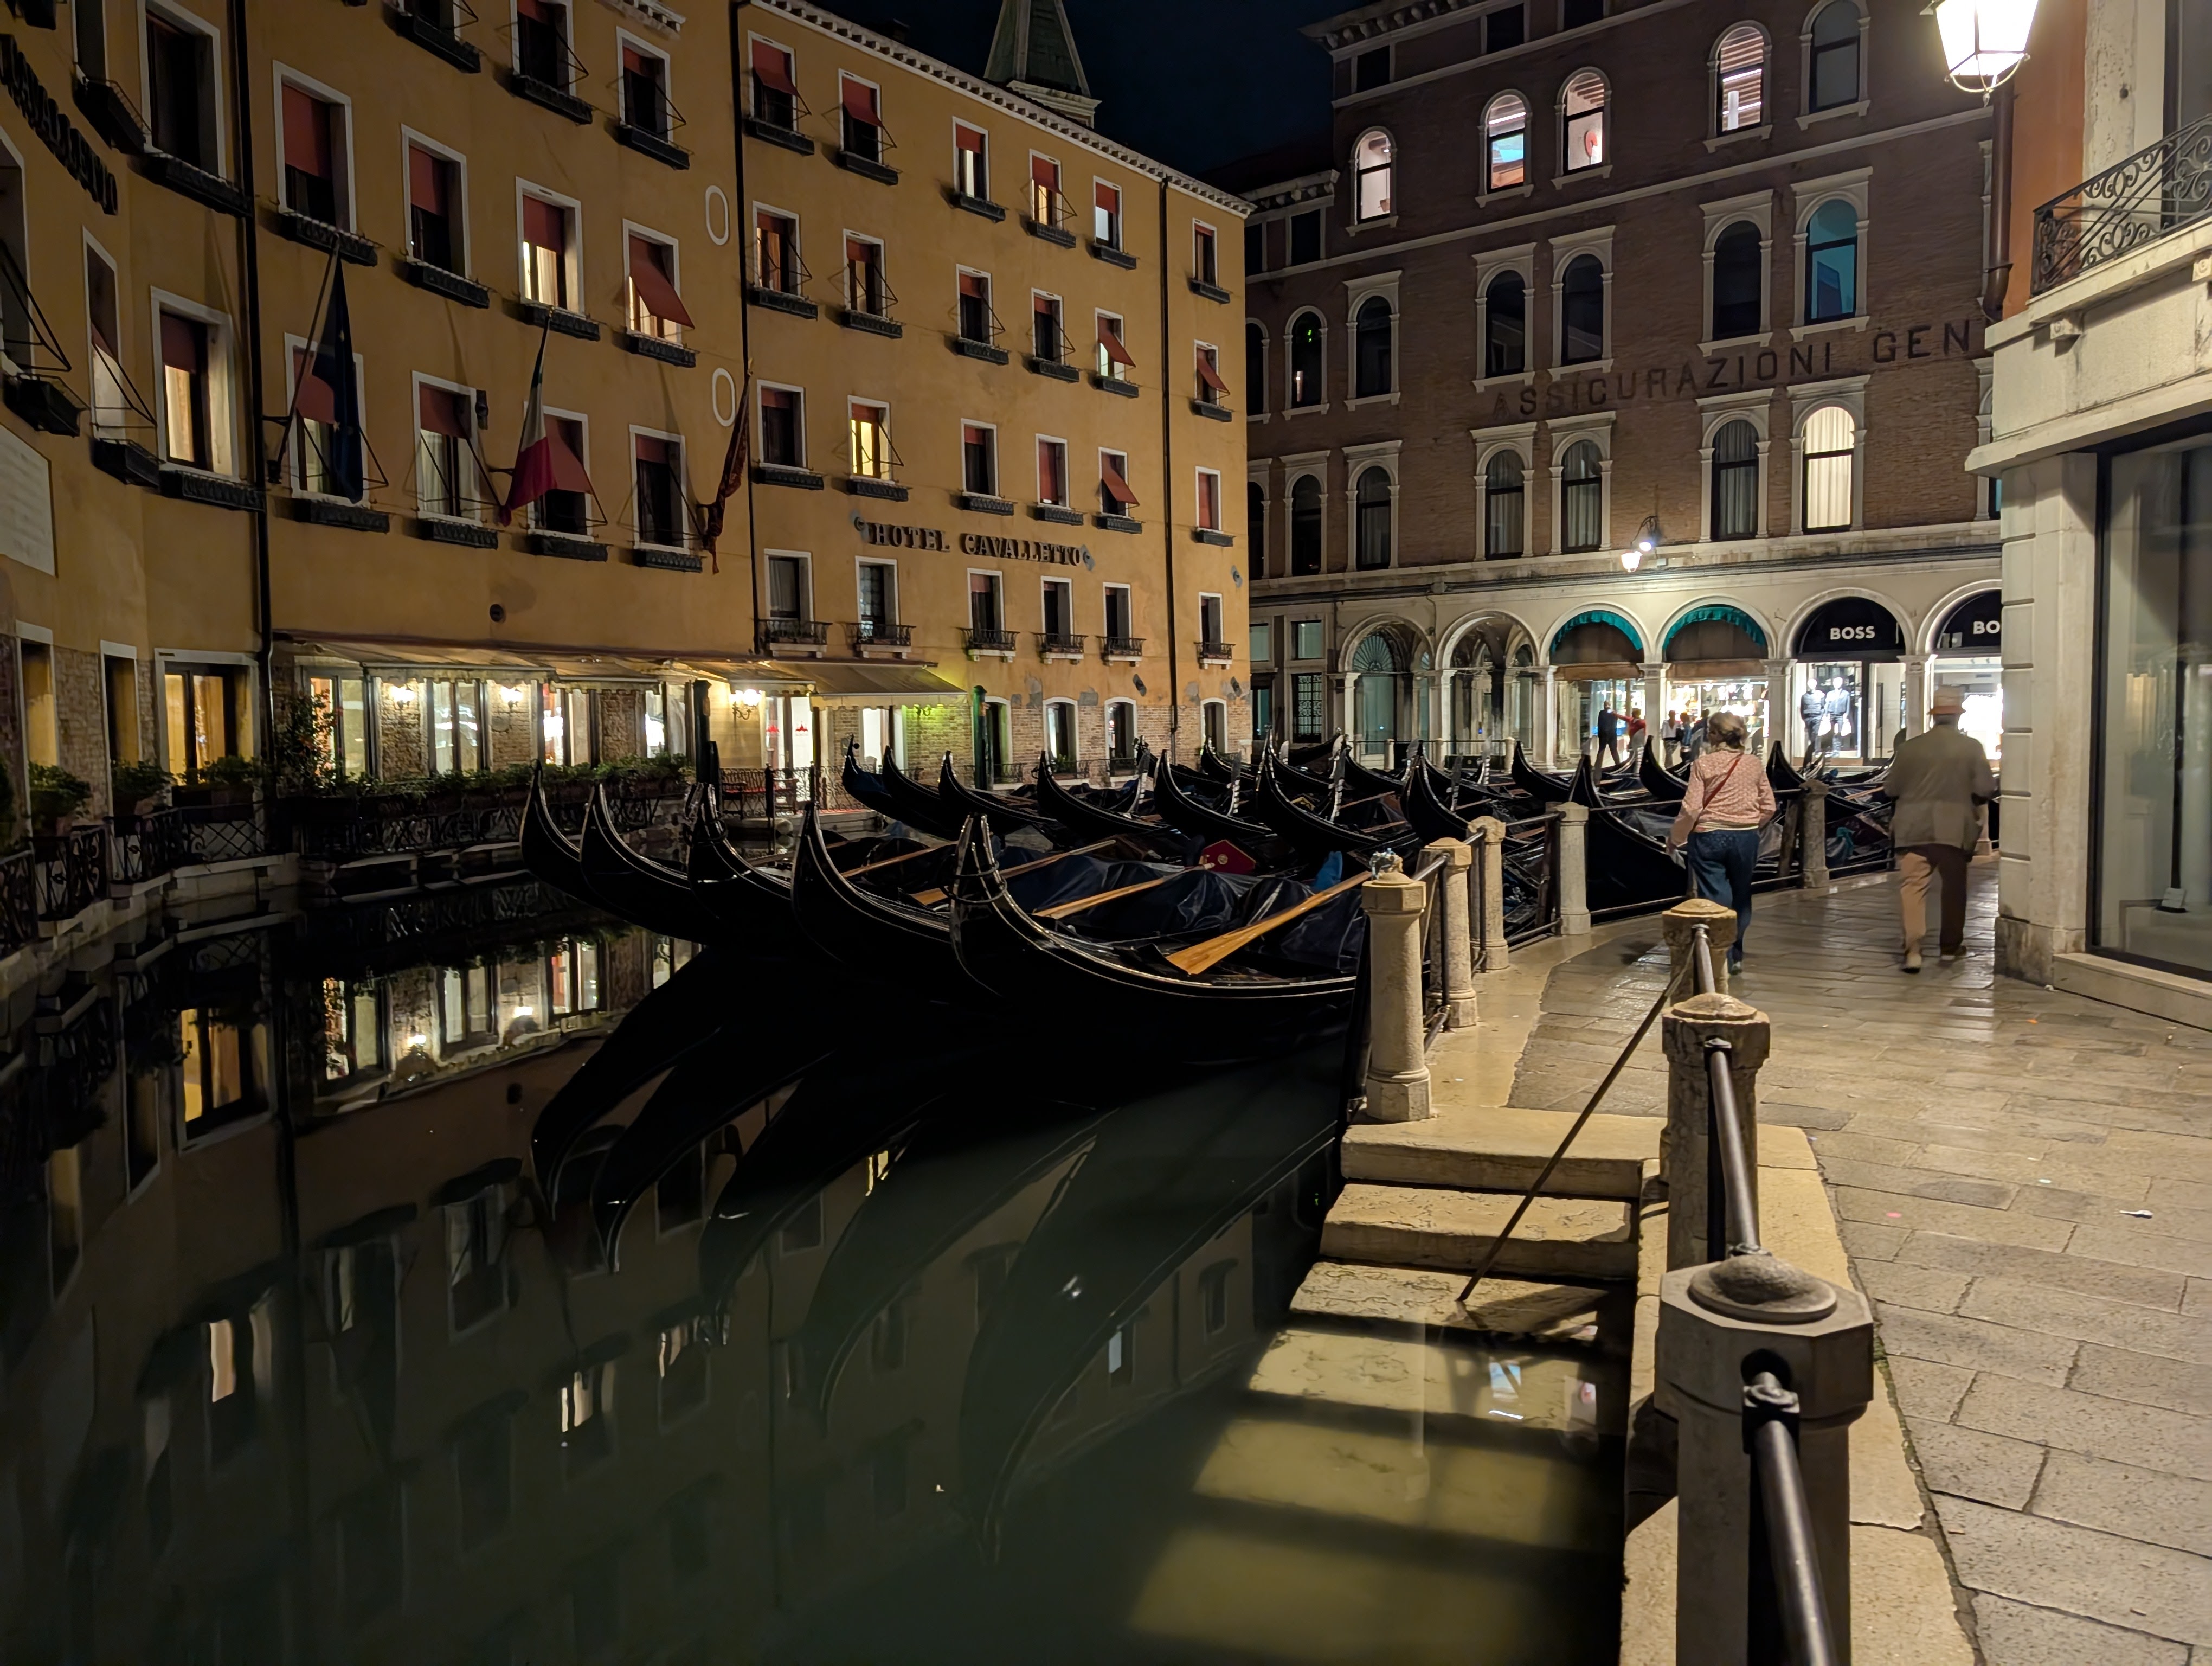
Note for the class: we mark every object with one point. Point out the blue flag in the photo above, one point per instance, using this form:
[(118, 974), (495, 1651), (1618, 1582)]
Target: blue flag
[(337, 402)]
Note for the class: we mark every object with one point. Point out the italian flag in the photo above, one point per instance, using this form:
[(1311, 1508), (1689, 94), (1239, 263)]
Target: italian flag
[(545, 464)]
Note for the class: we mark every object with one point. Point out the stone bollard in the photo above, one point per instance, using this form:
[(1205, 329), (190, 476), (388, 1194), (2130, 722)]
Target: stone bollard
[(1459, 956), (1574, 870), (1493, 953), (1684, 1160), (1813, 834), (1719, 920), (1397, 1048), (1718, 1326)]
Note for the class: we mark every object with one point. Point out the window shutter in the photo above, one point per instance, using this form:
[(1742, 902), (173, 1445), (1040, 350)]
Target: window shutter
[(306, 133), (859, 101), (651, 450), (1110, 337), (972, 435), (426, 177), (184, 344), (974, 285), (1208, 374), (651, 277), (1043, 171), (773, 65), (1117, 484), (635, 62), (968, 138), (1109, 199), (544, 224), (440, 411)]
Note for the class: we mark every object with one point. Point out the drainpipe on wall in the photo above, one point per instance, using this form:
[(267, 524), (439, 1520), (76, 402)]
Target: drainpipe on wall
[(741, 234), (242, 79), (1166, 483), (1996, 278)]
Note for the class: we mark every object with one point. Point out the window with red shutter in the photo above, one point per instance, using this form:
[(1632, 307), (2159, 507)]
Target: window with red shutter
[(314, 132), (545, 238), (433, 195)]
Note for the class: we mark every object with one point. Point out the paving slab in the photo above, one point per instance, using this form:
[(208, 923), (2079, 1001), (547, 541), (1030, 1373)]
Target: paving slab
[(1423, 1296), (1423, 1226), (1497, 1148), (1429, 1379)]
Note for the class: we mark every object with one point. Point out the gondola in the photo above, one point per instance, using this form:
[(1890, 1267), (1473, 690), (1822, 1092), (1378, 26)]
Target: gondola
[(1536, 783), (548, 853), (915, 804), (633, 887), (671, 1022), (1163, 1178), (1005, 815), (1362, 783), (1227, 1014), (1178, 809), (881, 937), (1095, 821), (1295, 780), (1428, 813), (866, 787), (1662, 783), (1215, 767), (1315, 838), (740, 902), (950, 1175)]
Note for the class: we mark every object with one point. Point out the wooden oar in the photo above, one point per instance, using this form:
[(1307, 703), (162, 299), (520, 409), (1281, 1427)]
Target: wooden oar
[(1200, 956), (927, 898), (892, 862), (1062, 910)]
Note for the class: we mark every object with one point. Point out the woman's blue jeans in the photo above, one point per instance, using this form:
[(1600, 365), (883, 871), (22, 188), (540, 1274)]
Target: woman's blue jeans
[(1720, 863)]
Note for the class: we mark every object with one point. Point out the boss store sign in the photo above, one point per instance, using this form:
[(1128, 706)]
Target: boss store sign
[(1976, 625), (1851, 627)]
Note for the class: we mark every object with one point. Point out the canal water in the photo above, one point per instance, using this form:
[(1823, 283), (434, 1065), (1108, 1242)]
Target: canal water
[(918, 1342)]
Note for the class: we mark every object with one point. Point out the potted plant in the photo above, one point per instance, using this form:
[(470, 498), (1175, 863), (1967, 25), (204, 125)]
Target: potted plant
[(56, 797), (233, 779), (139, 788)]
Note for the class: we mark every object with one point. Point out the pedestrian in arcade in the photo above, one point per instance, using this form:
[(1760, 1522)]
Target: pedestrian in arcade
[(1939, 780), (1608, 735), (1728, 801), (1671, 732)]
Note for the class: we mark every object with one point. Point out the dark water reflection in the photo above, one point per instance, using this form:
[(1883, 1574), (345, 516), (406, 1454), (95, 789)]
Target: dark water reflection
[(943, 1348)]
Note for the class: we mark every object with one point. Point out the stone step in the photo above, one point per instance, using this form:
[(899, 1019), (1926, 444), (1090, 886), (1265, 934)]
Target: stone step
[(1455, 1388), (1424, 1226), (1575, 1315), (1502, 1149)]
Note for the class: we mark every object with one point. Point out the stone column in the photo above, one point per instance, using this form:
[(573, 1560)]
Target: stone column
[(1459, 956), (1685, 1162), (1808, 1346), (1781, 714), (1655, 703), (1719, 920), (1482, 706), (1492, 950), (1547, 715), (1813, 835), (1574, 870), (1915, 694), (1397, 1050)]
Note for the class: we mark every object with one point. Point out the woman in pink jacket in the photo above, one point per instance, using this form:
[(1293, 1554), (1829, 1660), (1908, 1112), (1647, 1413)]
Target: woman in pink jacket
[(1728, 801)]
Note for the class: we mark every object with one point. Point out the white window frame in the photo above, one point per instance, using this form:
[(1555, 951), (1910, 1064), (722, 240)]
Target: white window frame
[(1489, 264), (805, 560), (1597, 170), (1563, 432), (1357, 292), (93, 245), (1756, 207), (1763, 127), (567, 39), (572, 257), (1219, 601), (1120, 212), (417, 381), (1805, 398), (883, 130), (790, 58), (1074, 726), (1198, 501), (631, 228), (760, 420), (1201, 228), (1114, 371), (1360, 221), (1716, 412), (283, 76), (862, 562), (1105, 452), (1809, 197), (410, 137), (959, 122), (222, 385), (1067, 484), (960, 458), (883, 405), (1483, 194), (1222, 706), (624, 37), (797, 238), (178, 17), (1106, 613), (1807, 117), (296, 456), (1520, 440), (1595, 240), (1357, 459), (1320, 408), (683, 478), (844, 265), (1029, 185), (1107, 713)]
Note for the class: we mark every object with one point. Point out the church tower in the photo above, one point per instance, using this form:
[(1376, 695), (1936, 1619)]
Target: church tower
[(1033, 53)]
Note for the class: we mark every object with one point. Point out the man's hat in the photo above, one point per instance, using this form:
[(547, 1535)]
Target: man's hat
[(1948, 702)]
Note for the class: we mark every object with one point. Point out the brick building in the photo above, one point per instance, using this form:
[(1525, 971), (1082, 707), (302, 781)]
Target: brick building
[(1622, 355)]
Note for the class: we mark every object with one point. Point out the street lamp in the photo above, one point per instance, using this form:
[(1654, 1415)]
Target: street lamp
[(1983, 40), (1647, 539)]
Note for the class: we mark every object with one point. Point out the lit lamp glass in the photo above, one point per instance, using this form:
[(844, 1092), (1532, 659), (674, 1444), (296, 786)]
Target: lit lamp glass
[(749, 697), (1983, 40)]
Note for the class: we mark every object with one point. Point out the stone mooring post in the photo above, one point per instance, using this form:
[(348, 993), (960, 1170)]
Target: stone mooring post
[(1813, 834), (1574, 870), (1397, 1048), (1458, 942), (1678, 923), (1491, 952), (1684, 1152)]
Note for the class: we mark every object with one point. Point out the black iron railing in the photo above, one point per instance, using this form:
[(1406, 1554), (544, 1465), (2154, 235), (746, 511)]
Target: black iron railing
[(2158, 191), (72, 870), (18, 899), (810, 633), (982, 639), (881, 633)]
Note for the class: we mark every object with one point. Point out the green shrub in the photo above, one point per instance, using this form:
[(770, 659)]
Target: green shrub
[(232, 770), (56, 794), (141, 780)]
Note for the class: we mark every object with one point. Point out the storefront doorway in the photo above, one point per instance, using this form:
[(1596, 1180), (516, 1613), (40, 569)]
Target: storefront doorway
[(1600, 659), (1969, 657), (1846, 684), (1717, 662), (1375, 697)]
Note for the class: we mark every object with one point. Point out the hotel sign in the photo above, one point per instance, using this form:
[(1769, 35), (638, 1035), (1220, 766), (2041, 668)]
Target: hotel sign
[(975, 544), (56, 131)]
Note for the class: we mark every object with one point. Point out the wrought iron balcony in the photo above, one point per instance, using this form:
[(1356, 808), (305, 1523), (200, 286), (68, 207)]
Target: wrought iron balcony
[(1059, 645), (1122, 648), (1213, 652), (880, 633), (809, 633), (983, 640), (2157, 191)]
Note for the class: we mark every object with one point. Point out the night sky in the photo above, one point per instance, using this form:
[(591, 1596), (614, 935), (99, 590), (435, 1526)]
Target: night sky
[(1193, 82)]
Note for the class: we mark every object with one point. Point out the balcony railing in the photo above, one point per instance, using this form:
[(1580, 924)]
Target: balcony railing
[(1213, 650), (1056, 642), (809, 633), (880, 633), (982, 639), (72, 870), (18, 899), (1122, 648), (2155, 192)]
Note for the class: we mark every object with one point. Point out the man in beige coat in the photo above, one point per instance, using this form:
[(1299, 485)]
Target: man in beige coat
[(1940, 780)]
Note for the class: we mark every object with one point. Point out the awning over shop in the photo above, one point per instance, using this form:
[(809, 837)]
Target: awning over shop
[(1598, 634), (572, 668), (1716, 631), (877, 684), (405, 660)]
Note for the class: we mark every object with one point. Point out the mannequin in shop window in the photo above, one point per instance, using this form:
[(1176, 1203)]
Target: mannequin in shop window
[(1813, 711), (1838, 704)]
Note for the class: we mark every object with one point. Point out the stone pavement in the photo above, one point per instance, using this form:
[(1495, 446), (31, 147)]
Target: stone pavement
[(2024, 1182)]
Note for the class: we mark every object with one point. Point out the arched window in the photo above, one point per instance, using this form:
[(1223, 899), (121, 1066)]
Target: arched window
[(1505, 124), (1370, 502), (1372, 349), (1305, 359), (1736, 260), (1255, 526), (1121, 735), (1059, 735), (1504, 500), (1582, 107), (1830, 438), (1305, 527), (1376, 668), (1214, 722), (1255, 370), (1740, 79), (1581, 499), (1831, 262), (1371, 167), (1736, 480), (1581, 311), (1835, 70), (1505, 326)]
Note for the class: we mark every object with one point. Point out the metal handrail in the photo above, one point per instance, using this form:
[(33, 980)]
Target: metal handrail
[(1769, 1412), (2160, 189), (1731, 1210)]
